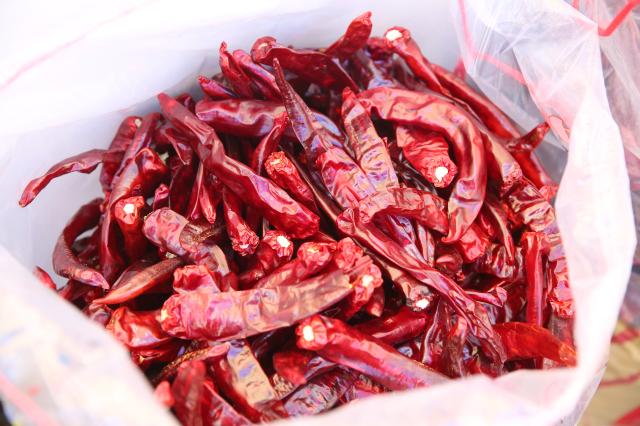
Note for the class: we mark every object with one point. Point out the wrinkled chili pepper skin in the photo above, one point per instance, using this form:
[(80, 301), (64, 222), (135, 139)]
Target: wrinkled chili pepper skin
[(535, 246), (65, 262), (198, 315), (234, 74), (260, 77), (214, 89), (282, 171), (169, 135), (128, 213), (334, 340), (82, 163), (268, 144), (502, 168), (320, 394), (217, 411), (274, 250), (311, 65), (120, 142), (431, 112), (137, 330), (275, 203), (428, 153), (187, 390), (528, 341), (243, 240), (354, 38), (529, 142), (163, 228)]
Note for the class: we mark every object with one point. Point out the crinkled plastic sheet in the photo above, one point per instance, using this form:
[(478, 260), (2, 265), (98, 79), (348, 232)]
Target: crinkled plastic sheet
[(70, 72)]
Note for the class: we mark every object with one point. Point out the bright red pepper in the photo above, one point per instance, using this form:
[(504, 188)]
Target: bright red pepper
[(354, 38)]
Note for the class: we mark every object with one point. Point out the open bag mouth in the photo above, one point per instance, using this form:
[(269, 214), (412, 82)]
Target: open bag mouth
[(324, 216)]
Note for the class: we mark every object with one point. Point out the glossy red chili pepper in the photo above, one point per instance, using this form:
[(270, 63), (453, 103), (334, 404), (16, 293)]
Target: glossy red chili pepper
[(146, 357), (363, 287), (236, 77), (44, 278), (529, 142), (362, 387), (473, 244), (528, 341), (180, 188), (129, 213), (137, 329), (198, 315), (375, 305), (169, 371), (273, 202), (456, 329), (259, 76), (496, 262), (311, 65), (119, 144), (187, 390), (399, 40), (431, 112), (496, 224), (214, 89), (422, 206), (428, 153), (368, 73), (167, 135), (535, 247), (274, 250), (243, 240), (320, 394), (82, 163), (268, 144), (502, 168), (65, 262), (282, 171), (160, 197), (217, 411), (448, 260), (210, 197), (163, 227), (141, 282), (311, 258), (354, 38), (426, 243), (336, 341)]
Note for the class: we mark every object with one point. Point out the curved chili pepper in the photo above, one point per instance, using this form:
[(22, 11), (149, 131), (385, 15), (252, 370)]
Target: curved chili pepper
[(448, 260), (274, 250), (398, 39), (169, 136), (362, 387), (65, 262), (473, 244), (497, 225), (254, 118), (283, 172), (268, 144), (496, 262), (198, 315), (385, 247), (502, 168), (354, 38), (428, 153), (239, 81), (119, 144), (129, 213), (187, 390), (528, 341), (260, 77), (534, 246), (137, 329), (214, 89), (320, 394), (163, 227), (422, 206), (530, 207), (336, 341), (529, 142), (141, 282), (160, 197), (456, 330), (81, 163), (311, 65), (180, 188), (368, 74), (243, 240), (217, 411), (426, 243), (431, 112), (210, 197), (44, 278), (127, 179), (193, 207), (311, 258)]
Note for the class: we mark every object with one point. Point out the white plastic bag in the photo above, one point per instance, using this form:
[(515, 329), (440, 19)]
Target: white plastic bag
[(70, 72)]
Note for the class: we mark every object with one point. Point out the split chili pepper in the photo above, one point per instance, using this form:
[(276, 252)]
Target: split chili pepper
[(336, 341), (320, 394), (311, 65), (65, 262), (217, 411), (198, 315), (311, 258), (431, 112), (422, 206), (260, 77), (274, 250), (129, 213), (535, 246), (399, 40), (239, 81), (283, 172), (44, 278), (528, 341), (243, 240), (354, 38), (428, 153), (268, 144), (214, 89), (141, 282), (82, 163), (137, 329), (274, 203)]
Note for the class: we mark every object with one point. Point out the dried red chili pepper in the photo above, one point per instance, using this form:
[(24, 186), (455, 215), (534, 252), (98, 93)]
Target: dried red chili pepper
[(243, 240), (528, 341), (137, 329), (239, 81), (529, 142), (214, 89), (268, 144), (44, 278), (187, 390), (375, 305), (496, 225), (311, 65), (274, 203), (210, 197), (65, 262), (354, 38), (428, 153), (502, 168), (163, 394), (160, 197), (426, 243), (431, 112), (534, 246), (217, 411), (169, 136), (163, 227), (146, 357), (203, 354), (336, 341), (141, 282), (260, 77), (82, 163), (363, 287), (274, 250), (473, 244), (320, 394), (119, 144), (129, 213), (283, 172)]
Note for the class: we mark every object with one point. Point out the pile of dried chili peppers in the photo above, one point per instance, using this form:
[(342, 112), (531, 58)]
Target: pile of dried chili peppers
[(324, 225)]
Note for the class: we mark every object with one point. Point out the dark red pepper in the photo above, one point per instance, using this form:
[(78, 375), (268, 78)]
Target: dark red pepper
[(243, 240), (129, 213), (354, 38)]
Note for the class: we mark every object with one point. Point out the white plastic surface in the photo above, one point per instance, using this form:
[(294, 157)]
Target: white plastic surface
[(71, 70)]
